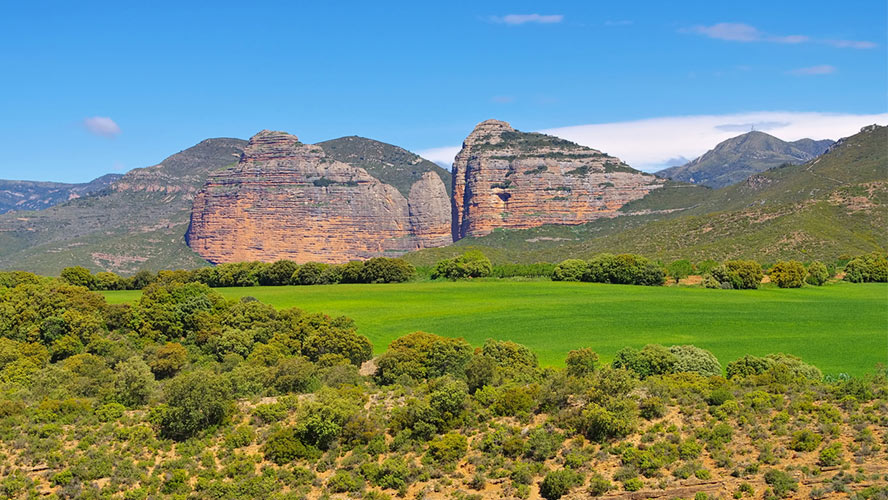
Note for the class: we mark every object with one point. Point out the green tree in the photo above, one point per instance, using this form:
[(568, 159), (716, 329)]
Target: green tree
[(581, 362), (168, 359), (78, 276), (570, 270), (472, 264), (738, 274), (133, 382), (788, 274), (867, 269), (558, 483), (692, 359), (195, 401), (680, 269), (818, 273)]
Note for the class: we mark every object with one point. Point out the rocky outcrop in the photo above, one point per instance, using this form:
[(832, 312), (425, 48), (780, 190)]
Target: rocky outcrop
[(289, 200), (503, 178)]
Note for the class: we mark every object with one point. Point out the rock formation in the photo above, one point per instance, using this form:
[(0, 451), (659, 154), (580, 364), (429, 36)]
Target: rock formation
[(289, 200), (503, 178)]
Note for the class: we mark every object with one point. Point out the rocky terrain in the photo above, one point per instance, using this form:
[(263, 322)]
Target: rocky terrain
[(35, 195), (503, 178), (735, 159), (289, 200), (136, 223), (833, 205)]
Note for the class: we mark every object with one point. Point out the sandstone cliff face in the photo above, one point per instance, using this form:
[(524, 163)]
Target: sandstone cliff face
[(289, 200), (503, 178)]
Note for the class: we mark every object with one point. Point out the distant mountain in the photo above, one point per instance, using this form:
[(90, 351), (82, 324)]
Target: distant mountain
[(138, 222), (737, 158), (36, 195), (833, 205)]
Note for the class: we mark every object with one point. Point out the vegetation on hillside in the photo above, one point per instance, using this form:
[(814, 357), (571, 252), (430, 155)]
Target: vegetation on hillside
[(185, 394)]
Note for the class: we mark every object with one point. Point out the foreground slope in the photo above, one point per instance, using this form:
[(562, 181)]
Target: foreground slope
[(138, 222), (739, 157), (35, 195), (289, 200), (834, 205)]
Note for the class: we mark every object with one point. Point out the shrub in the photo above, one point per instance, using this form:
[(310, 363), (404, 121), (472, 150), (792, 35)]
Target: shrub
[(738, 274), (449, 448), (781, 483), (598, 485), (310, 273), (653, 359), (344, 481), (867, 268), (285, 446), (692, 359), (581, 362), (168, 359), (805, 440), (633, 484), (420, 355), (278, 273), (570, 270), (383, 270), (109, 412), (78, 276), (624, 269), (294, 374), (472, 264), (831, 455), (133, 382), (788, 274), (195, 401), (558, 483), (818, 273)]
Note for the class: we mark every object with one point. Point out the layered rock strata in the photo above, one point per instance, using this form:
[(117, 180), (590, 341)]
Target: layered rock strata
[(503, 178), (289, 200)]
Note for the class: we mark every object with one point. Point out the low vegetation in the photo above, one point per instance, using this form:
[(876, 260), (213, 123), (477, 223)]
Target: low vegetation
[(186, 394)]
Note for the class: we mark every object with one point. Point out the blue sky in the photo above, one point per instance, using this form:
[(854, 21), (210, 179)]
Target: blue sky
[(95, 87)]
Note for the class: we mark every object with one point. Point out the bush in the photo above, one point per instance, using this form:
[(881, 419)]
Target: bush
[(195, 401), (449, 448), (285, 446), (788, 274), (344, 481), (78, 276), (558, 483), (872, 268), (831, 455), (692, 359), (624, 269), (581, 362), (654, 359), (818, 273), (133, 382), (383, 270), (422, 355), (472, 264), (805, 440), (570, 270), (738, 274), (781, 483), (168, 359), (598, 485)]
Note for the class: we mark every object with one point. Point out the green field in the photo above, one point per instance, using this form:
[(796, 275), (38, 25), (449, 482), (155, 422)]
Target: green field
[(840, 327)]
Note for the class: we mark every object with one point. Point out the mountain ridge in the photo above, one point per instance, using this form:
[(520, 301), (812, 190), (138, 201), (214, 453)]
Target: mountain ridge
[(737, 158)]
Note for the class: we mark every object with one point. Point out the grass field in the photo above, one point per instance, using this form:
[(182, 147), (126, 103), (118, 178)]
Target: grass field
[(840, 327)]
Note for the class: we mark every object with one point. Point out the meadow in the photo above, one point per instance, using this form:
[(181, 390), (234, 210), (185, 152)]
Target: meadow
[(841, 327)]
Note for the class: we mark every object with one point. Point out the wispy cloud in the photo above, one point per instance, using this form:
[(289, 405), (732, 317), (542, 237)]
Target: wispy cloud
[(101, 126), (622, 22), (823, 69), (657, 143), (741, 32), (519, 19)]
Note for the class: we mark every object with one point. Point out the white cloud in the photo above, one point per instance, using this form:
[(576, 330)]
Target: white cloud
[(741, 32), (655, 143), (442, 156), (101, 125), (519, 19), (823, 69)]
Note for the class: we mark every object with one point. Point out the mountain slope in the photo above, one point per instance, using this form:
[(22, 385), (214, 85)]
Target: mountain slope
[(737, 158), (388, 163), (138, 222), (35, 195), (833, 205)]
